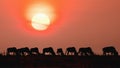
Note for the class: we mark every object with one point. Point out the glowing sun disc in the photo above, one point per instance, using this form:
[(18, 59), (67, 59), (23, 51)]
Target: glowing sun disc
[(40, 21), (39, 26)]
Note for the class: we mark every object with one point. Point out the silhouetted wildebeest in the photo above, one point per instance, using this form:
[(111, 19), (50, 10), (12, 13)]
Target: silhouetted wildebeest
[(24, 51), (60, 52), (34, 51), (85, 51), (110, 51), (48, 50), (71, 51), (12, 51)]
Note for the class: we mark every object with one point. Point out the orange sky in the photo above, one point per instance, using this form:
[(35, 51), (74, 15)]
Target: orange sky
[(80, 23)]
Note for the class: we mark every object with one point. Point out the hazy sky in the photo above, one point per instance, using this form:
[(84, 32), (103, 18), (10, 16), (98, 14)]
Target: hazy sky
[(81, 23)]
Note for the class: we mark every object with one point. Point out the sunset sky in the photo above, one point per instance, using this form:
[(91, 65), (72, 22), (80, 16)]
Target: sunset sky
[(78, 23)]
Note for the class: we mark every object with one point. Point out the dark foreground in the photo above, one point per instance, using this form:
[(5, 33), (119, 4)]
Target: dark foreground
[(60, 62)]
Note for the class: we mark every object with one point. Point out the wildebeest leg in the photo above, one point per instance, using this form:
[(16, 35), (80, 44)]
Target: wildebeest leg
[(67, 52), (86, 54), (44, 52), (81, 54), (104, 53)]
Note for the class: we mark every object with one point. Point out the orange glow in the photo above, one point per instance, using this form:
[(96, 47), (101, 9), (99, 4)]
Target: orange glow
[(24, 10), (38, 8), (40, 21)]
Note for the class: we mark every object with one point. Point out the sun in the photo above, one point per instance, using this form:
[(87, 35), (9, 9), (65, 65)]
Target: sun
[(40, 21), (41, 15)]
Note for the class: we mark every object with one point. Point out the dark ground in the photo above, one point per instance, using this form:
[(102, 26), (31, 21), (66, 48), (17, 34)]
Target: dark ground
[(60, 62)]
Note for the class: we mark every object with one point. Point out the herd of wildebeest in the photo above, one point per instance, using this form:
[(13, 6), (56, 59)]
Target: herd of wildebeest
[(86, 51)]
